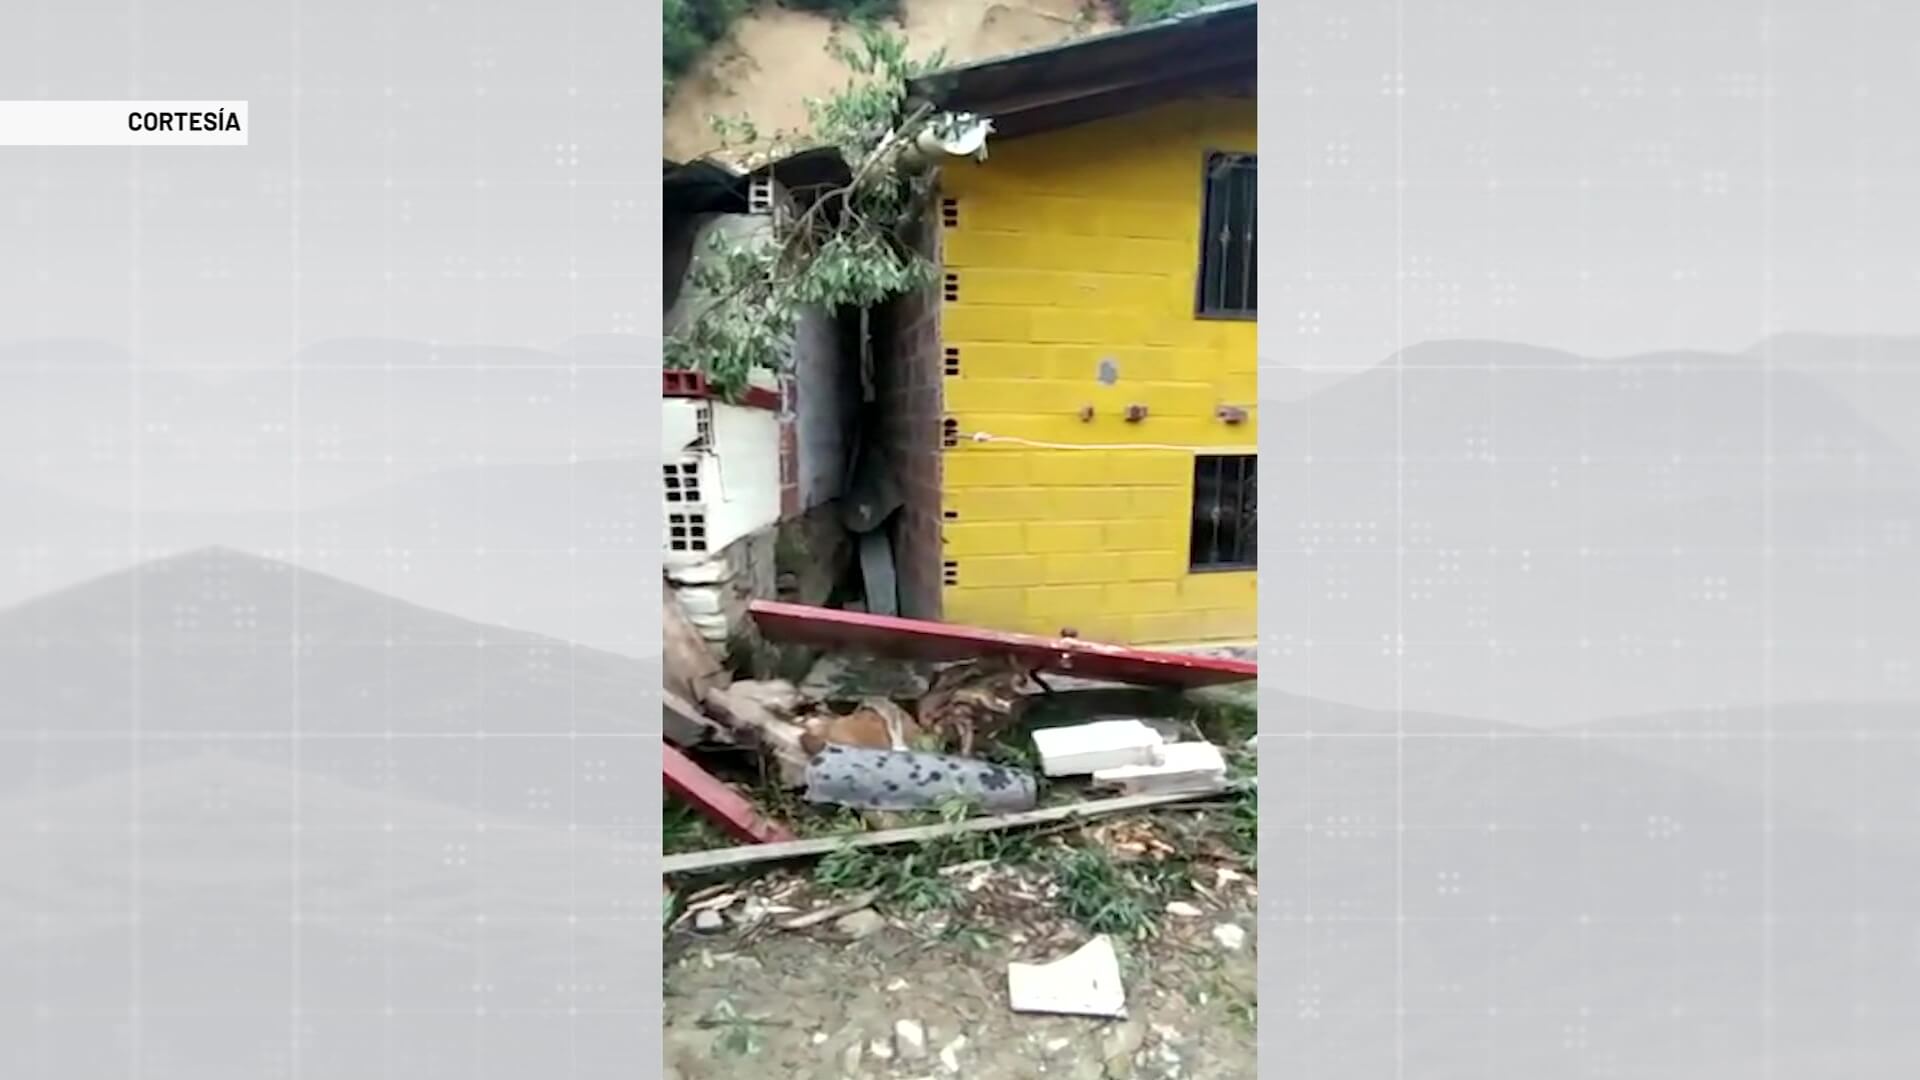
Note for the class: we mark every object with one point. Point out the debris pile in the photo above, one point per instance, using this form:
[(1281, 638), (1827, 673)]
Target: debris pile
[(912, 742)]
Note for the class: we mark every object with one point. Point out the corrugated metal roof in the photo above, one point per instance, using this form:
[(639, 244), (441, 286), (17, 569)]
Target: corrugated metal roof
[(1209, 50)]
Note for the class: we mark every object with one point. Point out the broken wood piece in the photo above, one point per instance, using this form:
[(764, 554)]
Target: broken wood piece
[(777, 696), (684, 725), (1087, 748), (868, 779), (851, 904), (1182, 766), (779, 740), (1060, 816), (878, 724), (1085, 982)]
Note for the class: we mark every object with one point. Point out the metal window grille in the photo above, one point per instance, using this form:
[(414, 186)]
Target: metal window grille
[(1225, 517), (1229, 263)]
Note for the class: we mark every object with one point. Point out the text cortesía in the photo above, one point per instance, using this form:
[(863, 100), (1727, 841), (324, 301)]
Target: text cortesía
[(215, 120)]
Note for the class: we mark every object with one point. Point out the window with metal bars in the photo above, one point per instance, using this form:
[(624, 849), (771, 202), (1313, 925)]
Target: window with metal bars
[(1225, 517), (1229, 263)]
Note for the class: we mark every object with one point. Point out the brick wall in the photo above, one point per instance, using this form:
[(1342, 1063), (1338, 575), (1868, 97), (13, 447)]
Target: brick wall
[(907, 385)]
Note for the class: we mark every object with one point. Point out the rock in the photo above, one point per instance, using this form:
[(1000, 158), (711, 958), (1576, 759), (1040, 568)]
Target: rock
[(850, 1059), (950, 1054), (1229, 936), (690, 667), (819, 1037), (859, 924), (1183, 909), (881, 1049), (909, 1039), (708, 921), (1117, 1047)]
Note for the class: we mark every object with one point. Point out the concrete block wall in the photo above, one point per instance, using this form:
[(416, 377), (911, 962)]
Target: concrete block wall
[(1070, 261)]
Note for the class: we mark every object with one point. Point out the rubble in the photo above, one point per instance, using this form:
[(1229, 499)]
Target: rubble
[(909, 1039), (950, 1054), (860, 924), (689, 667), (778, 739), (684, 725), (1083, 983), (878, 724), (974, 699), (777, 696), (850, 905), (1229, 936)]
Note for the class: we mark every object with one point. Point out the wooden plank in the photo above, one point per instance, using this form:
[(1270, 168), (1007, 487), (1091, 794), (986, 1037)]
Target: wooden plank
[(722, 858), (918, 639)]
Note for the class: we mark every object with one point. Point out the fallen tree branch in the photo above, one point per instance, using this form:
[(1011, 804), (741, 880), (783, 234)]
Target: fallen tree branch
[(722, 858)]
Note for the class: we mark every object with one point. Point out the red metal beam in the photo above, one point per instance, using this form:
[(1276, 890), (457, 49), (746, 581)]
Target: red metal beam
[(726, 807), (917, 639)]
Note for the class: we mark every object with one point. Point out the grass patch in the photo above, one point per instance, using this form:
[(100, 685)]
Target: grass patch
[(909, 876), (683, 829), (1105, 897), (739, 1035), (1243, 819)]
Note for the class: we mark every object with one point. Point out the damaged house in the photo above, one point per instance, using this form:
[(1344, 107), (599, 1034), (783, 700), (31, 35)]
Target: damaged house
[(1058, 437)]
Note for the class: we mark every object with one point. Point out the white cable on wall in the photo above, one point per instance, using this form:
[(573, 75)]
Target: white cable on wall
[(984, 437)]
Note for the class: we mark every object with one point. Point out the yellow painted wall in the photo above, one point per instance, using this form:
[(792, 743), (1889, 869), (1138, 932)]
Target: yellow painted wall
[(1069, 248)]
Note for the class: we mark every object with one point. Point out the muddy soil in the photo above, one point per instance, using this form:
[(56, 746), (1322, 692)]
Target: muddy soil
[(775, 58)]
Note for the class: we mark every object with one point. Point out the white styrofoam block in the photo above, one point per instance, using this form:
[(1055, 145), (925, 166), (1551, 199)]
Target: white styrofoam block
[(1103, 744), (1181, 766)]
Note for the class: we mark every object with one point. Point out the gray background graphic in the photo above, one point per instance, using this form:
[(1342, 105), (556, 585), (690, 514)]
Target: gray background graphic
[(1589, 613), (327, 547)]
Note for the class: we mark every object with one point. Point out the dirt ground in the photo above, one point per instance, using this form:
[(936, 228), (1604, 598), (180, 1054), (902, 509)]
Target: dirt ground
[(775, 58), (1174, 888), (814, 1004)]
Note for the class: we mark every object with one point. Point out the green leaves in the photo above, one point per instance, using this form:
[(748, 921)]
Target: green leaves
[(842, 251)]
